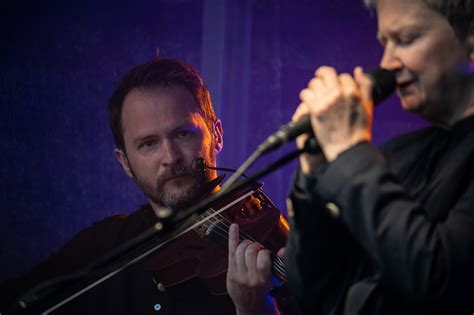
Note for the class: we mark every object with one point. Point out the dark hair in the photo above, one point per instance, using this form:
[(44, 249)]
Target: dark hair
[(159, 73), (459, 13)]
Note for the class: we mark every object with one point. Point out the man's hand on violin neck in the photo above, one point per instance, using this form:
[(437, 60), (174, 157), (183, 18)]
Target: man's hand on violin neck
[(248, 275)]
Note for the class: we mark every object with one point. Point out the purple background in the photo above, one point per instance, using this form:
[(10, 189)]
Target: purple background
[(60, 62)]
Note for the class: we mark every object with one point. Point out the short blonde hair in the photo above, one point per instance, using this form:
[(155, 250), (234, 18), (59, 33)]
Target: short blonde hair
[(459, 13)]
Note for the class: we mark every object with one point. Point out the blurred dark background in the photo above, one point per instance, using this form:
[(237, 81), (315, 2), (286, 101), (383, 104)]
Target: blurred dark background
[(60, 61)]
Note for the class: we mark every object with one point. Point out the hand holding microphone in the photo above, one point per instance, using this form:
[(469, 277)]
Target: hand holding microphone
[(337, 108), (340, 108)]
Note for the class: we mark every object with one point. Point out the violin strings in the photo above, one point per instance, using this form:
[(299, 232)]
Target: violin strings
[(277, 262), (242, 236)]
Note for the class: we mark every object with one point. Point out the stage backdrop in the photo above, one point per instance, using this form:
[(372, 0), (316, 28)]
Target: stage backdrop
[(60, 61)]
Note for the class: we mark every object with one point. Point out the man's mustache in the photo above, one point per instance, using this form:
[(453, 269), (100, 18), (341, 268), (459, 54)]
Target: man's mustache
[(179, 170)]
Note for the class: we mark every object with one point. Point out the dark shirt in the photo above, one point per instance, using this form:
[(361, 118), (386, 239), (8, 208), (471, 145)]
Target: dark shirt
[(133, 290), (388, 231)]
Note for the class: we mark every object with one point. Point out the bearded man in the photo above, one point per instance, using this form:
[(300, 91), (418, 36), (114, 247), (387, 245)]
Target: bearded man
[(162, 120)]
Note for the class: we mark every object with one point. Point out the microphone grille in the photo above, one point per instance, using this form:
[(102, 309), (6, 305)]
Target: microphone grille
[(384, 84)]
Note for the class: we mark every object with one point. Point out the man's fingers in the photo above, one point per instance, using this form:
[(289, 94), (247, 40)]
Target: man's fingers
[(233, 244), (240, 257), (281, 252), (251, 253), (264, 264)]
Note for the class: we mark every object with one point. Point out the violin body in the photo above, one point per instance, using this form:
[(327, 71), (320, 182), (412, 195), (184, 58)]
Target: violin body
[(193, 254)]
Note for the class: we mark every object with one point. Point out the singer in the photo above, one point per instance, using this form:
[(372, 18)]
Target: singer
[(162, 119), (391, 230)]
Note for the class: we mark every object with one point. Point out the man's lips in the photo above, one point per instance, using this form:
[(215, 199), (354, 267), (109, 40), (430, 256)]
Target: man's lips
[(177, 177)]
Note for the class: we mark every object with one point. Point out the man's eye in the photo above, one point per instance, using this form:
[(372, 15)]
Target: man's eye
[(183, 134), (147, 144)]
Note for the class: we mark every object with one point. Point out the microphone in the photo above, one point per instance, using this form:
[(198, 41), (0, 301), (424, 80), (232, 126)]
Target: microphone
[(384, 84), (199, 165)]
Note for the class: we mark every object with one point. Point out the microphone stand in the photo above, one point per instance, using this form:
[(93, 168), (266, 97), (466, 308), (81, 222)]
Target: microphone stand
[(120, 258)]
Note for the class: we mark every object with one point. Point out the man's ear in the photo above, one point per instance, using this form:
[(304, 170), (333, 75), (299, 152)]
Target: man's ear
[(123, 160), (218, 136), (470, 43)]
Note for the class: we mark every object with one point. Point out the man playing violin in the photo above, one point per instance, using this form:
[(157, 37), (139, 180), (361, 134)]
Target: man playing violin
[(162, 120)]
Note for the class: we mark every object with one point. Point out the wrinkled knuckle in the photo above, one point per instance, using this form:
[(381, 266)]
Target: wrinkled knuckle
[(313, 83), (325, 69), (262, 268), (305, 95), (251, 250), (253, 284), (241, 248), (345, 76), (231, 277)]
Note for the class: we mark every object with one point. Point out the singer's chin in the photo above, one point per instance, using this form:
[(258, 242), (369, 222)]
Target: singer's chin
[(411, 102)]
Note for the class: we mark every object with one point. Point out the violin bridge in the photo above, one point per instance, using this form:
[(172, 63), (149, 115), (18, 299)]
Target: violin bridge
[(204, 217)]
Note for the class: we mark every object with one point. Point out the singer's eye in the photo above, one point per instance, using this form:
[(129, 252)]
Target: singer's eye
[(406, 40), (409, 35)]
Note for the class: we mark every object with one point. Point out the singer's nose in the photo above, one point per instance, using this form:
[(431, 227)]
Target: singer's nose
[(391, 59)]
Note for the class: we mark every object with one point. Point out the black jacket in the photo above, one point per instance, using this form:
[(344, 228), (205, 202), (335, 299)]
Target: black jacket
[(390, 231)]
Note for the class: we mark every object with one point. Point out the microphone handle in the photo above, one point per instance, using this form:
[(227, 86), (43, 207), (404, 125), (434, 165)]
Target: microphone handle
[(286, 133)]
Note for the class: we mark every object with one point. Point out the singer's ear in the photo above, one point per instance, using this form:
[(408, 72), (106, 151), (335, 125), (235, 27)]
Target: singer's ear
[(123, 160), (218, 134)]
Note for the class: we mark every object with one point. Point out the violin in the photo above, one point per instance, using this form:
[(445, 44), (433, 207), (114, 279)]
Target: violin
[(196, 248), (199, 249)]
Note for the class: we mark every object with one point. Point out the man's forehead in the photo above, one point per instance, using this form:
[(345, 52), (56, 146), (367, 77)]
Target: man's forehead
[(162, 108), (165, 99)]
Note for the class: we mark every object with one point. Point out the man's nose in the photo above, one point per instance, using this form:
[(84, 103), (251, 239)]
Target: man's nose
[(172, 153)]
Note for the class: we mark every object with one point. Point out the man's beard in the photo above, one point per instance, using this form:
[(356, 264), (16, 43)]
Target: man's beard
[(185, 198)]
